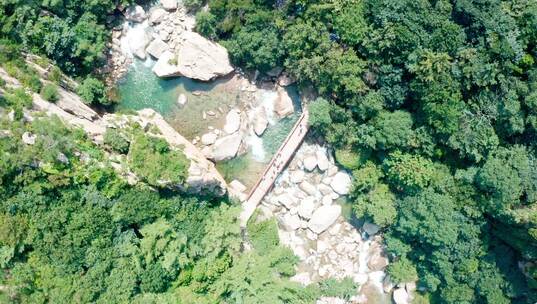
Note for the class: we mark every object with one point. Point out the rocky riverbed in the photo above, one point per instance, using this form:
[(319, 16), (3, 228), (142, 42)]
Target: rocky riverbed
[(306, 202)]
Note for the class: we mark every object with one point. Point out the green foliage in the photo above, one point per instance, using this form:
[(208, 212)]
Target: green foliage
[(50, 93), (263, 235), (116, 141), (319, 114), (377, 205), (402, 271), (256, 48), (93, 91), (193, 4), (206, 24), (344, 288), (407, 172), (66, 236), (153, 160)]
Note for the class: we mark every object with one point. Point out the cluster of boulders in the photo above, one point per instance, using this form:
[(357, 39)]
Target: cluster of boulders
[(224, 143), (165, 33), (306, 202)]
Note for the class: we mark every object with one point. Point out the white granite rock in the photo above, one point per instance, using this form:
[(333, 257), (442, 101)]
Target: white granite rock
[(310, 163), (235, 184), (291, 222), (157, 16), (169, 5), (233, 121), (208, 138), (166, 65), (201, 59), (305, 209), (322, 160), (323, 218), (296, 176), (308, 188), (28, 138), (283, 105), (226, 147), (260, 122), (341, 183), (157, 47), (400, 296)]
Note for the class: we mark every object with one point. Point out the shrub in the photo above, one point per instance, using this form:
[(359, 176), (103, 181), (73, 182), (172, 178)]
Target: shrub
[(264, 235), (192, 4), (93, 91), (152, 159), (116, 141), (206, 24), (345, 288), (50, 92), (402, 271), (55, 75)]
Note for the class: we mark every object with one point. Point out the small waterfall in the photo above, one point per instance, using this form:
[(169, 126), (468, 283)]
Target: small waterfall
[(134, 37), (268, 98), (256, 147), (376, 278)]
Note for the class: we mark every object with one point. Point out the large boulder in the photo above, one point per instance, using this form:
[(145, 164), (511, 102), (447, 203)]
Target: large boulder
[(157, 47), (310, 163), (323, 218), (226, 147), (169, 5), (233, 121), (208, 138), (283, 105), (166, 65), (202, 59), (400, 296), (306, 207), (135, 13), (157, 16), (341, 183), (322, 160)]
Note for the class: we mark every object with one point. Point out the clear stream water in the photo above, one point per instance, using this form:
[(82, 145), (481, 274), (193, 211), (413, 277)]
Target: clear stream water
[(140, 88)]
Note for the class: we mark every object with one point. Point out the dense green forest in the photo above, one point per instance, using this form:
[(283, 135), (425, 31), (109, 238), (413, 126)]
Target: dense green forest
[(432, 104)]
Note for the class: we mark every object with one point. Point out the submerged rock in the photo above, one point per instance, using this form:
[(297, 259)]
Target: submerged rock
[(181, 100), (202, 59), (324, 217), (233, 121)]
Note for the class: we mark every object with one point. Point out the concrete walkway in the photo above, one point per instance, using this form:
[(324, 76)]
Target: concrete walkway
[(275, 167)]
